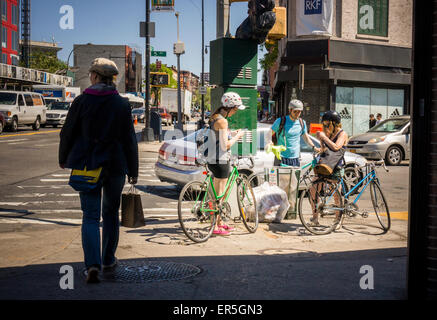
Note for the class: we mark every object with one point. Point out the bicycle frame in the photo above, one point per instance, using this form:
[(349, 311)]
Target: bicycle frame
[(229, 186), (370, 177)]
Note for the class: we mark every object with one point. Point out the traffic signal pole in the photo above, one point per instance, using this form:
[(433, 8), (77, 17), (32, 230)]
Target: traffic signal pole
[(148, 131)]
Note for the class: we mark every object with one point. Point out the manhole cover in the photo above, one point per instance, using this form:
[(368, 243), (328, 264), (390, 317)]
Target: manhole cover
[(140, 272)]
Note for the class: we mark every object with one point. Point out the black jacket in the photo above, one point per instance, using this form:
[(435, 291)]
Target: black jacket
[(98, 131)]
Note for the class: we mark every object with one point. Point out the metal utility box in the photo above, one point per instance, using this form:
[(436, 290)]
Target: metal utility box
[(233, 62), (245, 119)]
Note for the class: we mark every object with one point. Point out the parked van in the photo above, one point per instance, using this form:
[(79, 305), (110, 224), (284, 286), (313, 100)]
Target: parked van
[(22, 108)]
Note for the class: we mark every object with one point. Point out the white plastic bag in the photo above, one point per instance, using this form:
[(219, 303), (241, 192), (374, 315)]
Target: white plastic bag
[(271, 202)]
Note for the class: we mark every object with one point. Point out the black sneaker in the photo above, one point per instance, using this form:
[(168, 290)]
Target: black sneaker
[(110, 267), (92, 275)]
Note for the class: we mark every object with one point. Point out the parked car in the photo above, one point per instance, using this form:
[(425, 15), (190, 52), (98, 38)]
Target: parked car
[(22, 108), (165, 116), (177, 159), (390, 139), (2, 122), (56, 113), (139, 113)]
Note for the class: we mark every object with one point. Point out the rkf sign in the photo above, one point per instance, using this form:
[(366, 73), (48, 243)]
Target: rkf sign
[(313, 7), (202, 90)]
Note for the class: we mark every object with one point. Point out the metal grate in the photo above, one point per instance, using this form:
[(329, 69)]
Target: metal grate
[(141, 272)]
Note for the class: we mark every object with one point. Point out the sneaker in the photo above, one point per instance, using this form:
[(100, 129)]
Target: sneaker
[(92, 275), (314, 222), (226, 227), (110, 267), (220, 232), (337, 224)]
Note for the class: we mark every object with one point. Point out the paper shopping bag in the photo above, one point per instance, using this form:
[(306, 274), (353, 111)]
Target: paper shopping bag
[(132, 215)]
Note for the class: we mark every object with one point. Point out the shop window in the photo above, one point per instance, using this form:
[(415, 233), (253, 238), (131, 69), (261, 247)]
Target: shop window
[(373, 17), (4, 5), (14, 15), (4, 58), (4, 37), (355, 104), (14, 41)]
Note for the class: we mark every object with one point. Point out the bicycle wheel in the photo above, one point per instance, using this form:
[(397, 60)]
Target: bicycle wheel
[(318, 210), (195, 211), (247, 205), (380, 205)]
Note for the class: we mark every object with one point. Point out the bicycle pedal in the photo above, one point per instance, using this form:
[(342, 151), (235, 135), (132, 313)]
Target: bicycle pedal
[(365, 214)]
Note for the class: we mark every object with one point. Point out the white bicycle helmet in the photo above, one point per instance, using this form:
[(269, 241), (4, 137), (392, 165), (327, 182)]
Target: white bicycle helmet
[(232, 100), (295, 104)]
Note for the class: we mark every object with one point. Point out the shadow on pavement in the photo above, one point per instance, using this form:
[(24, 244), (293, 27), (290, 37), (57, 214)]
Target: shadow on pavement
[(269, 275)]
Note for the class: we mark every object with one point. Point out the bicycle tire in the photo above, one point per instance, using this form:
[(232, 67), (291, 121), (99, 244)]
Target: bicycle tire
[(327, 221), (378, 200), (189, 204), (247, 205)]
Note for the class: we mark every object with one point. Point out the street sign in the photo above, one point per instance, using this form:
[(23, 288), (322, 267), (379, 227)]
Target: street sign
[(143, 29), (159, 53), (202, 90), (162, 5)]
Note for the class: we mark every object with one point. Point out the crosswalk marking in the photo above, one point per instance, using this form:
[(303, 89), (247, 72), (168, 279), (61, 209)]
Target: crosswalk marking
[(54, 180)]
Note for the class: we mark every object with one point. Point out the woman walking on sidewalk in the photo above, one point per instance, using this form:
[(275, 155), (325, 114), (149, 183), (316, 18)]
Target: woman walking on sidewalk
[(98, 132)]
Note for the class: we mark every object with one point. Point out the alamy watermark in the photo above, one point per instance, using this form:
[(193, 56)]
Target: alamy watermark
[(67, 20), (67, 280), (367, 280)]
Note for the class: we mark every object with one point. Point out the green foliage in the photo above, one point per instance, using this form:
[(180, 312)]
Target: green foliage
[(270, 57), (45, 61)]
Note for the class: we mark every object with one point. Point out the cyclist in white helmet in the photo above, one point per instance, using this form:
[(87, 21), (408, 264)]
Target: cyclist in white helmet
[(219, 162)]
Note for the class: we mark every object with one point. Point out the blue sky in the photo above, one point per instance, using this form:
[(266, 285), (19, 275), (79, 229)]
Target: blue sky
[(117, 22)]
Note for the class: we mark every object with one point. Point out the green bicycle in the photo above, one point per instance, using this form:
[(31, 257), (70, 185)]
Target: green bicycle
[(199, 204)]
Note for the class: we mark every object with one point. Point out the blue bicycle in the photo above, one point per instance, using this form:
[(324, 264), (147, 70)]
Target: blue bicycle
[(327, 200)]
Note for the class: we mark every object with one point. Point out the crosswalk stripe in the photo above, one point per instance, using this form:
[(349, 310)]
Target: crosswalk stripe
[(54, 180)]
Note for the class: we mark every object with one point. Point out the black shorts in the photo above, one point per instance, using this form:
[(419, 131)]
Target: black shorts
[(220, 171)]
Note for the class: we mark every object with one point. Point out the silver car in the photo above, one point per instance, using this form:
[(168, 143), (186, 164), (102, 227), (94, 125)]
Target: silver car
[(177, 159), (390, 140)]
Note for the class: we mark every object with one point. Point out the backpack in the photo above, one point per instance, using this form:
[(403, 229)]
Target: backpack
[(329, 160), (202, 137), (275, 135)]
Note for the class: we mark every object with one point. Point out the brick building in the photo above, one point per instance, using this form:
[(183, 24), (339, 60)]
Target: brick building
[(357, 60), (128, 61)]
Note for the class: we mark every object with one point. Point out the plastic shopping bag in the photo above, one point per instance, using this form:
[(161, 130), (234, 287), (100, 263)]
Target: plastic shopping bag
[(271, 202)]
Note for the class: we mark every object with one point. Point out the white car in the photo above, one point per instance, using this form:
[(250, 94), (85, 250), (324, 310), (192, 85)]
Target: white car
[(56, 113), (177, 159), (22, 108)]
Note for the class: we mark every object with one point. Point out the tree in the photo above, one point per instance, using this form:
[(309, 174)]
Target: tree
[(270, 57), (45, 61)]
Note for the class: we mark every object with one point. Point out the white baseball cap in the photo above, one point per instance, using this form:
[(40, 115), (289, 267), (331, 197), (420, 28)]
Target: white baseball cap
[(295, 104)]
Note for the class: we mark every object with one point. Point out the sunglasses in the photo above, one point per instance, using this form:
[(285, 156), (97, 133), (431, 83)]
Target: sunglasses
[(326, 125), (296, 111)]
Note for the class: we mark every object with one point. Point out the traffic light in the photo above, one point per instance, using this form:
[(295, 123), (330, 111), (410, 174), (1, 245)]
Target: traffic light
[(159, 79)]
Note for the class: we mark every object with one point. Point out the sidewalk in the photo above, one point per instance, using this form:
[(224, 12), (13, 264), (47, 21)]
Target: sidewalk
[(158, 262)]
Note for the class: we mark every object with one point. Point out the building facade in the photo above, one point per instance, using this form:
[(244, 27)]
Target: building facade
[(352, 56), (10, 35), (128, 61)]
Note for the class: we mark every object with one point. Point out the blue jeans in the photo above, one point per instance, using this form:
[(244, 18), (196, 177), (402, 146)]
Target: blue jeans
[(91, 204)]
